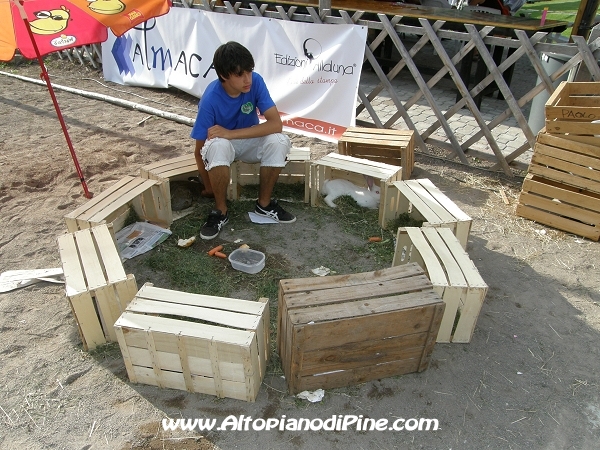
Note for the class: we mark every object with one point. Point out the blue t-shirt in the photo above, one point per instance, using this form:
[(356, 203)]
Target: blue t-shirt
[(216, 107)]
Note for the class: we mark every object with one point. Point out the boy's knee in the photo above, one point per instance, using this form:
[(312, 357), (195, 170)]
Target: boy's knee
[(217, 152), (276, 148)]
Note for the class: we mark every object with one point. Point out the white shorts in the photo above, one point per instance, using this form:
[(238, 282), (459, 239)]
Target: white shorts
[(269, 151)]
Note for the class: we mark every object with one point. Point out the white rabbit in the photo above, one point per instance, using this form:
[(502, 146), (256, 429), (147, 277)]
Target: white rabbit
[(367, 198)]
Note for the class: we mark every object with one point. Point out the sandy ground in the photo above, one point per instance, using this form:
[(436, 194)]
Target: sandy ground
[(529, 378)]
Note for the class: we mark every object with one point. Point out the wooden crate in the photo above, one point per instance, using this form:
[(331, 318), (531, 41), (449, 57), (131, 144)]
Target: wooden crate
[(224, 351), (572, 108), (164, 171), (353, 169), (112, 206), (453, 275), (297, 170), (394, 147), (96, 285), (422, 200), (562, 188), (341, 330)]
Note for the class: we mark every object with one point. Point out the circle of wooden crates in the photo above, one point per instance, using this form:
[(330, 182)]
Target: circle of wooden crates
[(399, 309)]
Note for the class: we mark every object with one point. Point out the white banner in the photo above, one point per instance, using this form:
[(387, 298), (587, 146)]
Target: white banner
[(312, 70)]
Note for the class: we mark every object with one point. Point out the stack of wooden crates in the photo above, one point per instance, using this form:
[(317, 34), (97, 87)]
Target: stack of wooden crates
[(562, 188)]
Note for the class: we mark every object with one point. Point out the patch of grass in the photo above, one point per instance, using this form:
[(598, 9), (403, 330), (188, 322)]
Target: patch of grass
[(557, 10), (190, 270)]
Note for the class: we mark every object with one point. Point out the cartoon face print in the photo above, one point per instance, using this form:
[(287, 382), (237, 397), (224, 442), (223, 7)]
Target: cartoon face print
[(107, 7), (50, 22)]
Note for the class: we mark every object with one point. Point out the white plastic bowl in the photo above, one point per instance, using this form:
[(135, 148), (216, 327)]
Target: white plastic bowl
[(247, 260)]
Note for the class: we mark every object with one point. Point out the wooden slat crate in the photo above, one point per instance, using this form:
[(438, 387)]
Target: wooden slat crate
[(297, 170), (112, 206), (175, 169), (422, 200), (562, 188), (452, 273), (96, 285), (353, 169), (572, 108), (341, 330), (394, 147), (199, 343)]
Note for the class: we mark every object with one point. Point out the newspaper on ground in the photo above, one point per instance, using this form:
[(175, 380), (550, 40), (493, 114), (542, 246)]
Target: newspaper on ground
[(139, 238)]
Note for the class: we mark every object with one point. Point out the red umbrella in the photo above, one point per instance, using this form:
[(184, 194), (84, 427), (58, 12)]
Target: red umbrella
[(38, 27)]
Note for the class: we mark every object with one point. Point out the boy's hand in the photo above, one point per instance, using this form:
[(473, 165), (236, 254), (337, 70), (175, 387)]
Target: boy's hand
[(218, 131)]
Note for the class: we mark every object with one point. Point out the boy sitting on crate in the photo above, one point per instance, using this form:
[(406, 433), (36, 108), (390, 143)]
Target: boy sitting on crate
[(227, 128)]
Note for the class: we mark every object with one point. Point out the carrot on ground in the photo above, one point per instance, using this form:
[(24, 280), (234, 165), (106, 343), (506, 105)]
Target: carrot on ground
[(214, 250), (375, 239), (220, 255)]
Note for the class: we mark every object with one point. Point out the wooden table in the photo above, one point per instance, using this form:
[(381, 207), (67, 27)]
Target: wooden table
[(447, 14)]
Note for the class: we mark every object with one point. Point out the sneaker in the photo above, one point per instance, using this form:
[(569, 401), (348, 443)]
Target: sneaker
[(275, 211), (215, 221)]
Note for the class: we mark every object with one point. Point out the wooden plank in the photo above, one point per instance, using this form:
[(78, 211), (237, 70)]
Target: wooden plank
[(589, 162), (226, 318), (356, 354), (198, 366), (150, 292), (468, 315), (251, 371), (92, 269), (335, 281), (561, 209), (126, 291), (342, 331), (558, 222), (183, 359), (453, 270), (573, 168), (341, 161), (563, 177), (214, 359), (205, 385), (73, 215), (561, 193), (159, 168), (467, 266), (108, 310), (375, 292), (263, 337), (154, 358), (72, 270), (355, 376), (366, 305), (109, 256), (431, 337), (443, 200), (125, 353), (172, 326), (119, 198), (85, 315), (567, 143), (452, 297), (432, 264)]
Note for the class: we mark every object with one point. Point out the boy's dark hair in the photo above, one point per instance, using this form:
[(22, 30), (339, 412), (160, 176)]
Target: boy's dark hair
[(232, 58)]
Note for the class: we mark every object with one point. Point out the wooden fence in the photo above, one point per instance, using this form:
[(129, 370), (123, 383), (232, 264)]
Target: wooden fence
[(405, 97)]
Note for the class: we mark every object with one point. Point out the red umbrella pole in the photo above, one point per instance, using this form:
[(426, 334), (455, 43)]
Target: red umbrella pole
[(44, 75)]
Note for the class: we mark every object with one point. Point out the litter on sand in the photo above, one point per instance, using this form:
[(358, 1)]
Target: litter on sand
[(312, 396), (16, 279), (321, 271)]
